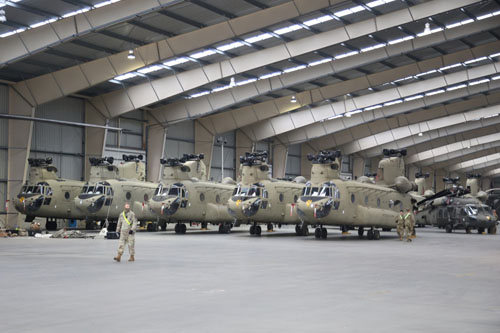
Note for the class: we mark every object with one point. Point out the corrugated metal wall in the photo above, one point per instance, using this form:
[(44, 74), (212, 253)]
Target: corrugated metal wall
[(293, 161), (132, 122), (180, 140), (229, 157), (65, 144), (4, 104)]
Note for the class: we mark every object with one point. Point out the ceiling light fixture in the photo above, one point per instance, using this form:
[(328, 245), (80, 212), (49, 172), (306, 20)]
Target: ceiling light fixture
[(131, 55)]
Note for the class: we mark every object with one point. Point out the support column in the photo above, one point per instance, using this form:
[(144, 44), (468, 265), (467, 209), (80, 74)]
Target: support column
[(280, 153), (156, 140), (440, 173), (19, 146), (204, 143), (358, 166), (95, 138), (305, 164), (429, 182), (412, 170), (374, 164), (485, 184), (243, 145)]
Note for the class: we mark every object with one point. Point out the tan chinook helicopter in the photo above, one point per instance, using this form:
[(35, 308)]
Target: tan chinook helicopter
[(329, 200), (46, 195), (103, 200), (259, 199), (185, 196)]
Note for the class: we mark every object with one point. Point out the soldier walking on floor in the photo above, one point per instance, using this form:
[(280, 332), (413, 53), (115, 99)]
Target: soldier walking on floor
[(127, 225), (400, 223), (409, 223)]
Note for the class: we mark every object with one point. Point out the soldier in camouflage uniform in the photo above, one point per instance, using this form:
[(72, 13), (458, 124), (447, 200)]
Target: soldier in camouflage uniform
[(127, 225), (400, 222), (409, 225)]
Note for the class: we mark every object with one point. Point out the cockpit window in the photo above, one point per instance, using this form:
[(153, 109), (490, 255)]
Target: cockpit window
[(472, 210), (325, 192), (38, 189), (247, 191)]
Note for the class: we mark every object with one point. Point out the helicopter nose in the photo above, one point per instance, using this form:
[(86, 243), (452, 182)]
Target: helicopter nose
[(29, 205), (250, 207), (169, 207)]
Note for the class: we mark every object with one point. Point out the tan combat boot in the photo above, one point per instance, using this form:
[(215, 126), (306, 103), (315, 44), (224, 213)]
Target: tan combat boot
[(118, 258), (131, 258)]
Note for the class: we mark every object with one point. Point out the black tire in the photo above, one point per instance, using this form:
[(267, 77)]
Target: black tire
[(468, 229), (361, 231), (258, 230), (480, 230), (369, 234), (150, 227), (252, 230), (204, 225), (183, 228), (324, 233), (449, 228), (177, 228), (270, 227), (163, 226), (492, 230), (376, 234), (317, 233)]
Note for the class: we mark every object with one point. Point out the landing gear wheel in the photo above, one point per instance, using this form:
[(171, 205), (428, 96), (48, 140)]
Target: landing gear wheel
[(224, 229), (90, 225), (492, 230), (270, 227), (369, 234), (51, 225), (480, 230), (376, 234), (324, 233), (361, 231), (317, 233), (449, 228), (177, 228), (153, 226), (183, 228), (258, 230), (468, 229), (163, 226), (204, 225), (298, 230), (252, 230)]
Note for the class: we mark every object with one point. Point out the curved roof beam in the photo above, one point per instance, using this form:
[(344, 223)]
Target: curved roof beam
[(64, 82), (289, 122), (494, 172), (244, 116), (122, 101), (455, 149), (32, 41), (248, 115), (344, 139), (476, 164), (337, 132)]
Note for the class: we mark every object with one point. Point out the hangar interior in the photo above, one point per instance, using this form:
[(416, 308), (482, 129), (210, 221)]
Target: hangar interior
[(162, 78)]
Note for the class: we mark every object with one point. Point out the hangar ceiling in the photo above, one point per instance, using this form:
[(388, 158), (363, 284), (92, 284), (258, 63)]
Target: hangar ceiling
[(353, 75)]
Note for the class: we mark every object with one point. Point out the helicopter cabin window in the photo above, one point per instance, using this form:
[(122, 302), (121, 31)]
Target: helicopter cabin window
[(325, 192), (128, 195), (314, 191), (281, 197), (217, 198), (265, 194), (66, 195), (254, 192), (378, 202), (353, 198), (202, 197), (366, 200), (99, 190), (109, 191)]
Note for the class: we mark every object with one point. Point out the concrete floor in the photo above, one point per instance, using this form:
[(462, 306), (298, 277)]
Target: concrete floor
[(207, 282)]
